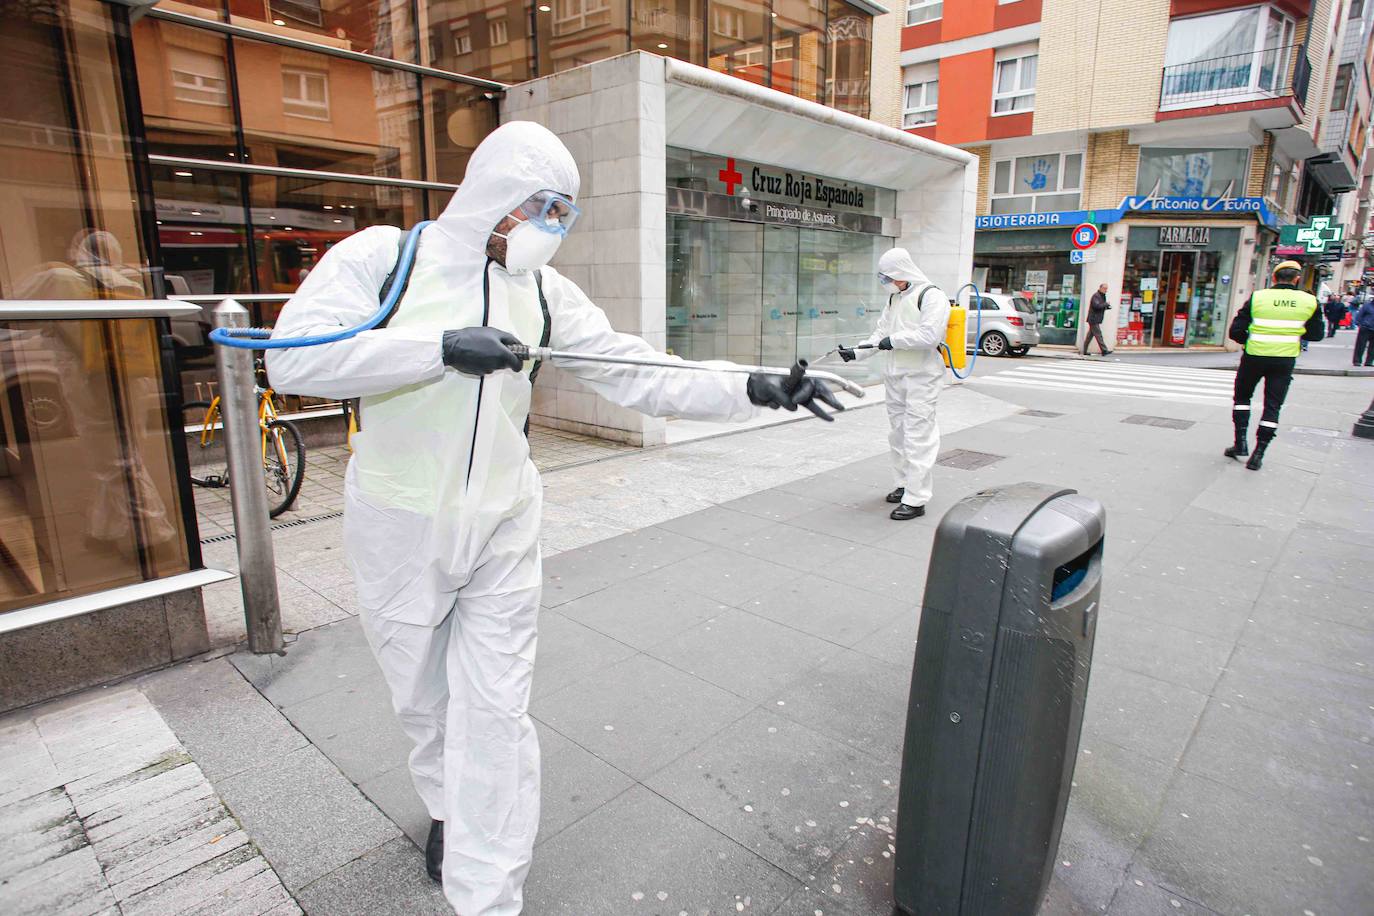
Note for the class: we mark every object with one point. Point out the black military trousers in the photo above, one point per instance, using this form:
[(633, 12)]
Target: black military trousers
[(1277, 374)]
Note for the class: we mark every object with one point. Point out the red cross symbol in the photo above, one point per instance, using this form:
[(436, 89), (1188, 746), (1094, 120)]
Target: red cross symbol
[(730, 176)]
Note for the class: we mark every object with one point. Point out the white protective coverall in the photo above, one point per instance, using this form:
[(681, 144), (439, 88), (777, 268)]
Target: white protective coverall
[(442, 501), (913, 372)]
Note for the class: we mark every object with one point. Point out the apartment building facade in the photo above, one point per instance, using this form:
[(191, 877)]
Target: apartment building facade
[(1188, 132)]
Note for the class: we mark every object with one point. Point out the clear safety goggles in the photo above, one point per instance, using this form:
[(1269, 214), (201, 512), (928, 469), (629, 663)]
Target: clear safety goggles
[(551, 212), (885, 279)]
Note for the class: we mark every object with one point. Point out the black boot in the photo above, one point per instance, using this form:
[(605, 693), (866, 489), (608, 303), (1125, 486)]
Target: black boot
[(896, 495), (434, 851), (1257, 459), (904, 512), (1240, 449)]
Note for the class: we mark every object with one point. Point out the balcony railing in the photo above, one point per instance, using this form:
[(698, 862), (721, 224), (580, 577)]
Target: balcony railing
[(1252, 76)]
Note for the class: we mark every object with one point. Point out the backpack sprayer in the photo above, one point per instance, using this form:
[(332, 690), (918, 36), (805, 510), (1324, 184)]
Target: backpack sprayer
[(953, 350), (261, 338)]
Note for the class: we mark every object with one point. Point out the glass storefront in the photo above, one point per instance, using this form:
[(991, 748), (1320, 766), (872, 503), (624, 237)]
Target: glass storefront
[(1034, 263), (243, 102), (89, 493), (1178, 280), (747, 287), (768, 295)]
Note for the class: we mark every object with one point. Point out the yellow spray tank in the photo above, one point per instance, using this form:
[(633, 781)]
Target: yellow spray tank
[(955, 349)]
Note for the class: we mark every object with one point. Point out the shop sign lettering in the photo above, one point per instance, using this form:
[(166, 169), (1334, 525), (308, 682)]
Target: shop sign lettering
[(806, 215), (1143, 203), (803, 188), (1184, 235)]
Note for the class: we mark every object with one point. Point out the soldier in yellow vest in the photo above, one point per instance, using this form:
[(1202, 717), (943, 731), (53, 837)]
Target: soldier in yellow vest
[(1271, 327)]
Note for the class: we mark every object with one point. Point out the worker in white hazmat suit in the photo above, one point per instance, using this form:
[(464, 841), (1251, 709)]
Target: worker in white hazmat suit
[(442, 502), (909, 331)]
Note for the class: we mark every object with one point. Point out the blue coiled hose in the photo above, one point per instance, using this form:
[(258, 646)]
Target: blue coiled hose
[(978, 332), (259, 338)]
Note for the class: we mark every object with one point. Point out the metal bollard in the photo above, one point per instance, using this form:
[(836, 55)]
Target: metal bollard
[(997, 697), (1364, 426), (238, 410)]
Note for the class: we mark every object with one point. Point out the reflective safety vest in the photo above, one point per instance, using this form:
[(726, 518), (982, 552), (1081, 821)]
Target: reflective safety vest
[(1278, 319)]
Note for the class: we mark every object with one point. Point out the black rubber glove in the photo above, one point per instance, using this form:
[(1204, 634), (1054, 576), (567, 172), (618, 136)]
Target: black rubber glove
[(477, 351), (846, 354), (768, 390), (885, 343)]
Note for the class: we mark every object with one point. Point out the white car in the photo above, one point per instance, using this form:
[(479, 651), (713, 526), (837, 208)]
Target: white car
[(1009, 324)]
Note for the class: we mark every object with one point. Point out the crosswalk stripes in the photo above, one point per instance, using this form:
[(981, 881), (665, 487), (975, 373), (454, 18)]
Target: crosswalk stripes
[(1194, 386)]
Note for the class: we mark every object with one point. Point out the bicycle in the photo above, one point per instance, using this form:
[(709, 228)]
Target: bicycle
[(283, 451)]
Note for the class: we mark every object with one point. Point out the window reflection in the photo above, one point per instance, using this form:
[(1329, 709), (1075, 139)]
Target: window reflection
[(308, 111), (381, 27), (458, 117), (738, 32), (847, 76), (491, 40), (68, 231), (200, 227), (673, 28), (184, 87), (297, 220), (799, 48), (577, 32), (88, 498)]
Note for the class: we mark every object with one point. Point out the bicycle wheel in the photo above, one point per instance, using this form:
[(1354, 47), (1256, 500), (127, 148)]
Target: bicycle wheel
[(283, 465), (205, 449)]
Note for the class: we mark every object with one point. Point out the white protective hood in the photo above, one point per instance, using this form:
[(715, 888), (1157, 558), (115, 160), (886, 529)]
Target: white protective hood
[(514, 161), (897, 264)]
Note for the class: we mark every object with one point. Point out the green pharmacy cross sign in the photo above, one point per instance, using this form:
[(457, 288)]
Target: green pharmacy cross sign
[(1317, 237)]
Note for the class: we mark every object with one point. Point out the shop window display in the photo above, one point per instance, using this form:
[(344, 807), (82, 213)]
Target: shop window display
[(1035, 264), (1176, 295)]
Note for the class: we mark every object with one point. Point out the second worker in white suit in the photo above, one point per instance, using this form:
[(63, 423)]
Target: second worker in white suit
[(910, 329)]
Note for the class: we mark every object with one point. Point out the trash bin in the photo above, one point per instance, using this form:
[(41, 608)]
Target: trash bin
[(997, 696)]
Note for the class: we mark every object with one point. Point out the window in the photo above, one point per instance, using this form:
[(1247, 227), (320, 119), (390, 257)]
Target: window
[(462, 41), (1340, 92), (1014, 84), (1356, 137), (1037, 184), (922, 101), (918, 11), (198, 77), (497, 33), (307, 11), (305, 93), (1192, 172), (1243, 52), (575, 15), (727, 23), (1356, 9)]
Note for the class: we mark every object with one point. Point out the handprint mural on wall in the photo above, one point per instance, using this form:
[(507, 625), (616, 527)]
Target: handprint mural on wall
[(1192, 182), (1040, 175)]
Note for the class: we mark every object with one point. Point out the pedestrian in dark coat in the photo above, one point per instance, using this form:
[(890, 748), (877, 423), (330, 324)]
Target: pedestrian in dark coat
[(1097, 310)]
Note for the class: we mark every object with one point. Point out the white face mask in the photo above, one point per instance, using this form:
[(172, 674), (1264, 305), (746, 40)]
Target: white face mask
[(889, 288), (528, 247)]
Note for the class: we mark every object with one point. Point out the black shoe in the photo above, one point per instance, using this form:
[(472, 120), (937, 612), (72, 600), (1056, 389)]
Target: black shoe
[(904, 512), (434, 851), (1109, 353), (896, 495), (1257, 459), (1239, 450)]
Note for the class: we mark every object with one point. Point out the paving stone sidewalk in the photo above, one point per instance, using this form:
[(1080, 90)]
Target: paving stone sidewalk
[(721, 689)]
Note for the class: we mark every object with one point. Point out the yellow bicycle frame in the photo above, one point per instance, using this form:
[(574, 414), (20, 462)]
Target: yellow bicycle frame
[(267, 412)]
